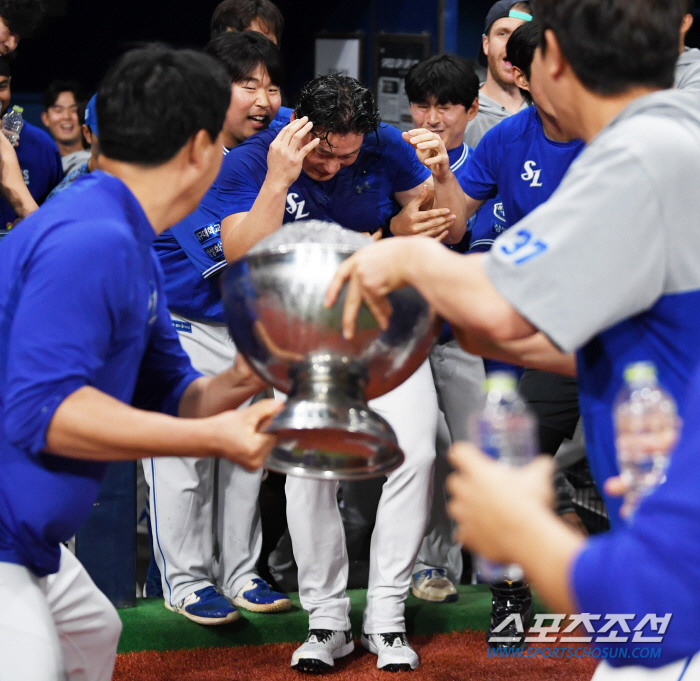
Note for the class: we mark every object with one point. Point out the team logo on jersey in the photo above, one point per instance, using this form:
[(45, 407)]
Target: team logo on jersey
[(152, 302), (25, 175), (296, 207), (361, 188), (498, 212), (532, 174), (207, 232), (215, 251)]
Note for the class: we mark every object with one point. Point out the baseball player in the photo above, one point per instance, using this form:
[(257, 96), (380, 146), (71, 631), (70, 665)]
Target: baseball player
[(350, 170), (204, 513), (608, 266), (84, 334)]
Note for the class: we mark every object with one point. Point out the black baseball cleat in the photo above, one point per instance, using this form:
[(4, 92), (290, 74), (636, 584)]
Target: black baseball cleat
[(508, 599), (322, 646)]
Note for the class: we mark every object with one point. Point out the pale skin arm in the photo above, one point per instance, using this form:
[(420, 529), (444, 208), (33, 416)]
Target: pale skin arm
[(505, 514), (12, 185), (241, 231), (90, 424)]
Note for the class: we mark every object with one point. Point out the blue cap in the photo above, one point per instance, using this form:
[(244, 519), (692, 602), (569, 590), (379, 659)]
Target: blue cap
[(91, 116), (502, 10)]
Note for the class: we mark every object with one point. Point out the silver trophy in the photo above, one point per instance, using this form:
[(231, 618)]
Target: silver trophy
[(273, 306)]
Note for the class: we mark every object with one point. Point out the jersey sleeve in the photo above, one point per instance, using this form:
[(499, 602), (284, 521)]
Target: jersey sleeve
[(166, 369), (591, 256), (66, 313), (480, 178), (410, 172), (242, 176), (650, 566)]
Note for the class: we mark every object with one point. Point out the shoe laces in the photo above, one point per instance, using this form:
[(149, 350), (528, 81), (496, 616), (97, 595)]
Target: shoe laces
[(395, 640), (321, 635)]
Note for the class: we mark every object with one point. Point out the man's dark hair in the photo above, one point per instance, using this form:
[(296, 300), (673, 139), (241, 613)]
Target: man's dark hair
[(242, 53), (614, 45), (22, 16), (58, 86), (238, 15), (520, 50), (337, 105), (446, 78), (154, 99)]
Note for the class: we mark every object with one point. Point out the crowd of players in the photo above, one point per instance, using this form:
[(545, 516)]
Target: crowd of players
[(567, 142)]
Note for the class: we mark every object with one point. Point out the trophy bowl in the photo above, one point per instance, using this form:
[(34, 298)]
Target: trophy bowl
[(273, 306)]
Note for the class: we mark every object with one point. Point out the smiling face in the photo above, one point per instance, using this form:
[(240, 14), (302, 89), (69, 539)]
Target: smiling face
[(331, 155), (447, 120), (61, 119), (254, 103), (495, 49), (8, 40)]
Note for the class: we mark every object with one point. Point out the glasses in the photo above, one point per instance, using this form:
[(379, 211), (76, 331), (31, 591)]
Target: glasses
[(57, 109)]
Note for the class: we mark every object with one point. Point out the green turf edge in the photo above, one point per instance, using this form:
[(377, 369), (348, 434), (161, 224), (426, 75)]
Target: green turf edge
[(149, 626)]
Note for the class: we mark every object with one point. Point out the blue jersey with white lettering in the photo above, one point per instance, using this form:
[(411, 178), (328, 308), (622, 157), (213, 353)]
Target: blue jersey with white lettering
[(40, 162), (359, 197), (517, 161), (81, 304)]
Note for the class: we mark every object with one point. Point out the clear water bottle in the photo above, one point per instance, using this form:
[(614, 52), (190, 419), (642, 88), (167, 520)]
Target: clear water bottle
[(646, 428), (12, 124), (507, 431)]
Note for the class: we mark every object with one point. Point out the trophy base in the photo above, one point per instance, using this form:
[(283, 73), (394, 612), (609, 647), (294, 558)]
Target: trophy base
[(327, 431)]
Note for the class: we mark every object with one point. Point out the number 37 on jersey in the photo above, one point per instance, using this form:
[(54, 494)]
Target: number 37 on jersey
[(521, 246)]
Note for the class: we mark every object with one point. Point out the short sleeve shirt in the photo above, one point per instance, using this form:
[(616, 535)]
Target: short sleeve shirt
[(359, 197), (610, 265)]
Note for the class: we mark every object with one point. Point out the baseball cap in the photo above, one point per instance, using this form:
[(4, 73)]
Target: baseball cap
[(91, 116), (502, 10)]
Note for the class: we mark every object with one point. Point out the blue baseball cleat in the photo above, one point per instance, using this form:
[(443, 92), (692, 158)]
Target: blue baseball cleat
[(206, 606), (256, 595)]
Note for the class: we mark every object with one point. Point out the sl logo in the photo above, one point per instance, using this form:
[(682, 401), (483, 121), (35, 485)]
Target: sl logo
[(294, 206), (532, 173)]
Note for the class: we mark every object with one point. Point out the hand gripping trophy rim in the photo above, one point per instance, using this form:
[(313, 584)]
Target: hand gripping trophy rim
[(273, 306)]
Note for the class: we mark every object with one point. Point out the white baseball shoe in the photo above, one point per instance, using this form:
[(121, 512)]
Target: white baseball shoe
[(322, 646), (393, 651)]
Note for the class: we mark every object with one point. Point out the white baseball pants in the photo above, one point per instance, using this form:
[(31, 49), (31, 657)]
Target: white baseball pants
[(204, 512), (316, 527), (55, 628)]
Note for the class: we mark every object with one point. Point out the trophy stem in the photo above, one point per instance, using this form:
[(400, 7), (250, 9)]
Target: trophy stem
[(326, 429)]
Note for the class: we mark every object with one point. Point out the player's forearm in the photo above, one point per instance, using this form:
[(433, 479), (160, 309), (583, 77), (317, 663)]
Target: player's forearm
[(15, 192), (210, 395), (449, 194), (457, 288), (238, 236), (90, 424), (546, 548), (535, 352)]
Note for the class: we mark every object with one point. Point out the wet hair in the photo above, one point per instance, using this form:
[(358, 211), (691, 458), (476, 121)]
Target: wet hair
[(238, 15), (446, 78), (22, 16), (154, 99), (520, 50), (242, 53), (58, 86), (337, 105), (614, 45)]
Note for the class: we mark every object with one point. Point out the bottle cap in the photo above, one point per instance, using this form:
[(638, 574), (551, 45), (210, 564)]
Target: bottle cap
[(503, 381), (18, 109), (640, 372)]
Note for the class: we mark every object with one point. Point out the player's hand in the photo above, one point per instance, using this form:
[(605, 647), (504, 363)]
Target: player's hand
[(372, 273), (242, 376), (239, 435), (416, 218), (431, 151), (12, 185), (490, 501), (288, 151)]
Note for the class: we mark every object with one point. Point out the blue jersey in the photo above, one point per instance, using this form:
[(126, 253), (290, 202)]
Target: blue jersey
[(81, 304), (284, 115), (359, 197), (651, 565), (517, 161), (41, 167), (68, 180)]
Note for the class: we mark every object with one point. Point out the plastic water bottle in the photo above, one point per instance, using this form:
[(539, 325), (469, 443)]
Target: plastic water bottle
[(507, 431), (12, 124), (646, 428)]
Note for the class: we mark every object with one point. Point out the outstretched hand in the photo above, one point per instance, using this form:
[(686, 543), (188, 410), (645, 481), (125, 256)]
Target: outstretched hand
[(430, 149)]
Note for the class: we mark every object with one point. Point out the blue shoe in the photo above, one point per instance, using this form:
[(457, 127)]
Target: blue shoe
[(206, 606), (257, 596)]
